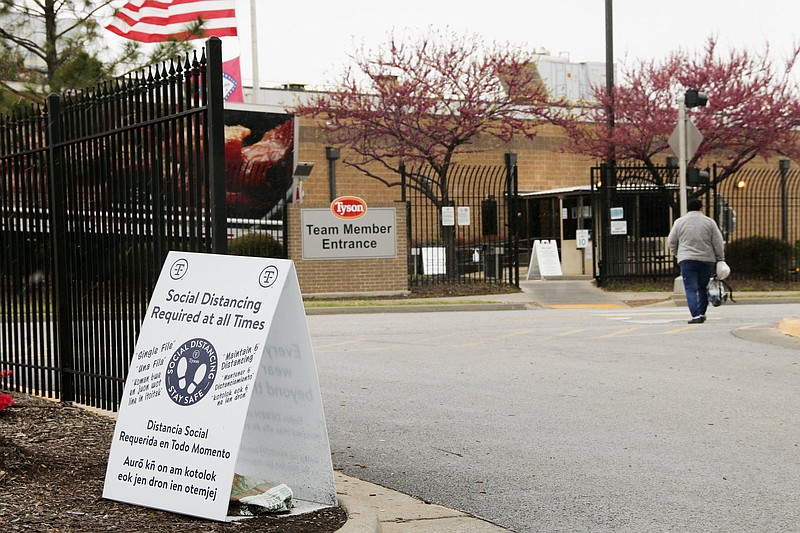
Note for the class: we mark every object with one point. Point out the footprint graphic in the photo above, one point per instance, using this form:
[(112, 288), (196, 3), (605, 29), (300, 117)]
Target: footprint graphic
[(182, 373), (199, 374)]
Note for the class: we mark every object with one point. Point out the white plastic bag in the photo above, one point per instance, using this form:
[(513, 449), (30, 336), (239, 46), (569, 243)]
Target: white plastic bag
[(723, 270), (717, 295)]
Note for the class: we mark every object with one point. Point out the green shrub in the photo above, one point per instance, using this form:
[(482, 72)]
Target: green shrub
[(256, 245), (760, 258)]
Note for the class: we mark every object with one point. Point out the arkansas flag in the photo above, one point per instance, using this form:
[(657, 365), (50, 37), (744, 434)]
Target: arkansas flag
[(152, 21)]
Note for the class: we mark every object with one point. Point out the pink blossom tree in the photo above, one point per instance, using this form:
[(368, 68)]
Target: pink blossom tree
[(752, 111), (423, 100)]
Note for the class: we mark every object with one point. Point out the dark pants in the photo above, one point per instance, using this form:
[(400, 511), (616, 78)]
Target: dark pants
[(696, 275)]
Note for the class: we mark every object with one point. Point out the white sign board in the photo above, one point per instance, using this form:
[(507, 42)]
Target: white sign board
[(222, 381), (544, 260), (619, 227), (581, 238), (433, 260), (463, 215), (371, 236), (448, 215)]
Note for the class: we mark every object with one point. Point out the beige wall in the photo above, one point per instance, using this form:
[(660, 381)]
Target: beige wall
[(541, 165)]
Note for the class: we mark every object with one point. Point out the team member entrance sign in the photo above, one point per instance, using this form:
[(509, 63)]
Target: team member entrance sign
[(222, 382), (348, 230)]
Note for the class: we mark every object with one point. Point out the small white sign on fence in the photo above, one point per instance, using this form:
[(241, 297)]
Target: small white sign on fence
[(433, 260), (222, 382)]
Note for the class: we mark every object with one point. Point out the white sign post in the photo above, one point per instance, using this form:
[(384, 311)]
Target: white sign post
[(684, 141), (222, 382)]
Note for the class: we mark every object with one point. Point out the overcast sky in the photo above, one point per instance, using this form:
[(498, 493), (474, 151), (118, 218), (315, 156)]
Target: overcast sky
[(308, 41)]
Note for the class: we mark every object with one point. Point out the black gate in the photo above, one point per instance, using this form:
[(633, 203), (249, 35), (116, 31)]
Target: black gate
[(633, 221), (462, 229), (95, 189)]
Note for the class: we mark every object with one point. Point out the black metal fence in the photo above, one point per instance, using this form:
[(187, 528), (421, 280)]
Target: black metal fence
[(96, 187), (758, 211), (461, 228), (633, 219)]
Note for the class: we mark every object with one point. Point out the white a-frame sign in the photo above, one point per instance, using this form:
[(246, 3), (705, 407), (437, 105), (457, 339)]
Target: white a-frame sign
[(222, 382), (544, 260)]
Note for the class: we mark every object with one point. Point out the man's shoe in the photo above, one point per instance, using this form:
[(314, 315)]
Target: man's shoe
[(697, 320)]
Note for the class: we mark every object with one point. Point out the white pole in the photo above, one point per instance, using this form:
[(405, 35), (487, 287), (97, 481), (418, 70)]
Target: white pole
[(677, 285), (682, 155), (254, 51)]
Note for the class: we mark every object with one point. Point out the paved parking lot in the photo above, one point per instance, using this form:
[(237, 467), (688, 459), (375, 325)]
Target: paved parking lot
[(589, 419)]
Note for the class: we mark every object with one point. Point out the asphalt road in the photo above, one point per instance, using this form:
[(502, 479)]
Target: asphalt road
[(573, 420)]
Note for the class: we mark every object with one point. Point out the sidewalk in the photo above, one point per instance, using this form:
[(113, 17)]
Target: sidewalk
[(538, 294), (374, 509)]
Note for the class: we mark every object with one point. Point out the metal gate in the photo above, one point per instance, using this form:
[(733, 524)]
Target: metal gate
[(633, 221), (95, 189), (461, 227)]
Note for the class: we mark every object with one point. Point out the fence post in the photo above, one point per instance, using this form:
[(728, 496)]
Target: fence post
[(783, 164), (58, 224), (511, 194), (409, 247), (216, 146), (604, 224)]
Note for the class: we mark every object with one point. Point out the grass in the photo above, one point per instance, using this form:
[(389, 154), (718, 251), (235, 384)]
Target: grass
[(430, 294), (355, 302)]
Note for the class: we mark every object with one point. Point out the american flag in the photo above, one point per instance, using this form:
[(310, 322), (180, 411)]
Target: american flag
[(153, 21)]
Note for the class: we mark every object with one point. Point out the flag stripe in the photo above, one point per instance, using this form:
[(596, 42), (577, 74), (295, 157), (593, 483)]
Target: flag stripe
[(156, 21), (150, 37), (178, 18)]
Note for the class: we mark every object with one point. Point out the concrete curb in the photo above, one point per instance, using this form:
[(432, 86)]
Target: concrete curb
[(360, 519)]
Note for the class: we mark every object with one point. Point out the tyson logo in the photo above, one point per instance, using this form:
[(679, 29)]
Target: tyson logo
[(348, 207)]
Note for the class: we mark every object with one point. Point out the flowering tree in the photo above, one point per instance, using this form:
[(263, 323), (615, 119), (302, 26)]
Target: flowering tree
[(425, 99), (752, 111)]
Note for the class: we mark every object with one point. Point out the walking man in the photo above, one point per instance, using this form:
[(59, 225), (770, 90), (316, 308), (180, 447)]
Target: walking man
[(697, 242)]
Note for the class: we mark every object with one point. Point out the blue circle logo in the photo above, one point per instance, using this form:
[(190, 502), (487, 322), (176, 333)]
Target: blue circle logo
[(191, 371)]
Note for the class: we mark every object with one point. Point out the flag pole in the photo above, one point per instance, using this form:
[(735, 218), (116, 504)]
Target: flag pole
[(256, 97)]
